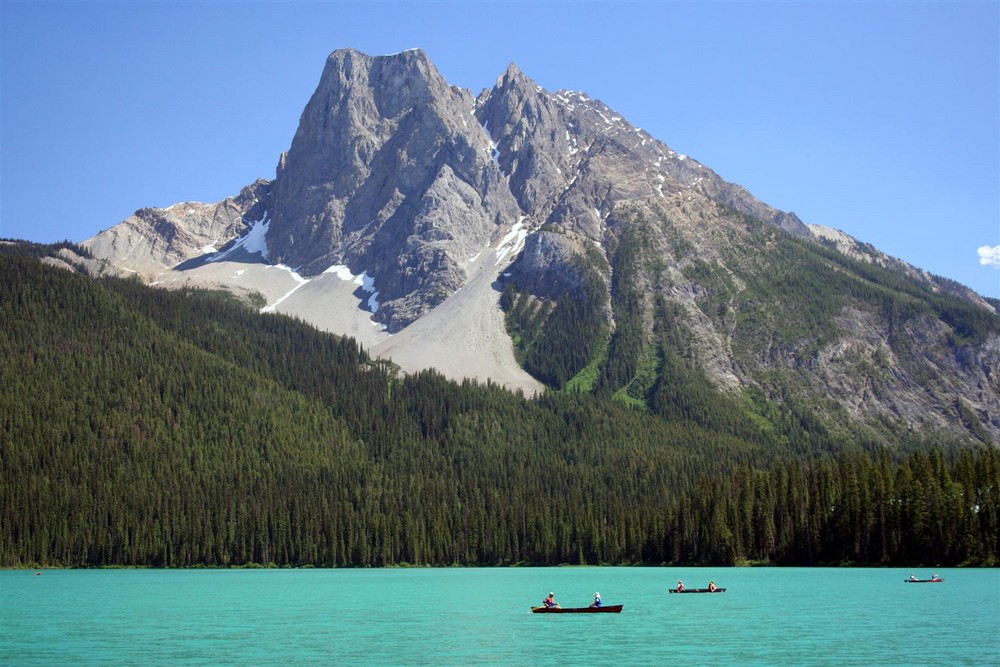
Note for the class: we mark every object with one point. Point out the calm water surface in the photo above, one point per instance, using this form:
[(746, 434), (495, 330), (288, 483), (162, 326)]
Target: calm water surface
[(772, 616)]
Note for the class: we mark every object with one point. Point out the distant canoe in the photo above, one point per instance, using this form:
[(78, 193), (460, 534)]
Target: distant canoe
[(608, 609), (698, 590), (939, 580)]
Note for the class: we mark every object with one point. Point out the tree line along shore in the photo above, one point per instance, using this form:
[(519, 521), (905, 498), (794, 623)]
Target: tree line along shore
[(155, 428)]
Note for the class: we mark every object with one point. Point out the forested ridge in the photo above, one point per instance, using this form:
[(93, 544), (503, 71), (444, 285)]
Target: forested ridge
[(181, 428), (833, 342)]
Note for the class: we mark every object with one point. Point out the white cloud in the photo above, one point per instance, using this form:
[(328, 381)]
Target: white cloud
[(990, 256)]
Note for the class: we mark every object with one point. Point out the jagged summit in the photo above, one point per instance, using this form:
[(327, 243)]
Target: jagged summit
[(398, 81), (388, 173), (395, 173), (404, 207), (513, 76)]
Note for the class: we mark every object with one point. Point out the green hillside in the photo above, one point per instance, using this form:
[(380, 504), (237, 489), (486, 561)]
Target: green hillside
[(799, 328), (149, 427)]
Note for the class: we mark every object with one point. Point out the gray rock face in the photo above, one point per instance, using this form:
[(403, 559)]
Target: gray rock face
[(152, 239), (571, 160), (389, 173), (547, 265), (533, 145), (395, 173)]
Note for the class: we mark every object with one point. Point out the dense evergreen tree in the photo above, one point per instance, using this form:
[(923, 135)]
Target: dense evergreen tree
[(555, 340), (854, 509), (181, 428)]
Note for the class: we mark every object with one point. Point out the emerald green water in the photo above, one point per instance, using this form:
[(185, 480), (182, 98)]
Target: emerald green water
[(772, 616)]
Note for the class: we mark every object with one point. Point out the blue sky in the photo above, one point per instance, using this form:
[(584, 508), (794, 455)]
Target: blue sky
[(880, 119)]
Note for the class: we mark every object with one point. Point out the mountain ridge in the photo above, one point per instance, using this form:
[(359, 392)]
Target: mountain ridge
[(443, 202)]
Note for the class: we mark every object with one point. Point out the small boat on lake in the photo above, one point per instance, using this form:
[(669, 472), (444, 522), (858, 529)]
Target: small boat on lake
[(697, 590), (939, 580), (606, 609)]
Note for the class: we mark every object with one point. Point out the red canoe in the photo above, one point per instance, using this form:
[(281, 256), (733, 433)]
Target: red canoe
[(609, 609)]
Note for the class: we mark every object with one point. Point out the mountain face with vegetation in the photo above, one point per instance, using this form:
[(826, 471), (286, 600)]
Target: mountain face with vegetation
[(152, 427), (623, 269)]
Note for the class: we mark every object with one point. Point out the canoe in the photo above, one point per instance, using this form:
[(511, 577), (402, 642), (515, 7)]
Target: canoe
[(698, 590), (924, 581), (607, 609)]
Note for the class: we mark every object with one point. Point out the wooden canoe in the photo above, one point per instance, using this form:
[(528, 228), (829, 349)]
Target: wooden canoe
[(698, 590), (606, 609)]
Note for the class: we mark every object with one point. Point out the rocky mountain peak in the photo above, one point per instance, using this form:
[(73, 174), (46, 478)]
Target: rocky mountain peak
[(394, 173), (397, 82), (430, 200), (389, 173), (512, 78)]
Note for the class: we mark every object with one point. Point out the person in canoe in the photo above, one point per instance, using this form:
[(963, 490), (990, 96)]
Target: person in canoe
[(711, 587), (597, 600), (680, 586), (551, 601), (935, 577), (913, 577)]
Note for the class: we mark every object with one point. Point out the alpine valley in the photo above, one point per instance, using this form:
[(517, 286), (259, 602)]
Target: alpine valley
[(522, 330)]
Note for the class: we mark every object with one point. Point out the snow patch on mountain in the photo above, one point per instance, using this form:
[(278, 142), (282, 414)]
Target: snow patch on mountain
[(495, 151), (298, 279), (513, 242), (362, 280), (253, 242)]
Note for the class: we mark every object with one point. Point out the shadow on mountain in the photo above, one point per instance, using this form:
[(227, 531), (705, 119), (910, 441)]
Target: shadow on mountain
[(237, 255)]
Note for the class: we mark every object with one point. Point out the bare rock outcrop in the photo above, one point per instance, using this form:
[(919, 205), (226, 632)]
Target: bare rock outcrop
[(152, 239), (389, 173)]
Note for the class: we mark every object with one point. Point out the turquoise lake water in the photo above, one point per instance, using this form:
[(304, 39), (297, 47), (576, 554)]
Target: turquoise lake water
[(768, 616)]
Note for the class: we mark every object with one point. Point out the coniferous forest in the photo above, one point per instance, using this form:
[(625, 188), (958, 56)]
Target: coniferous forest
[(181, 428)]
